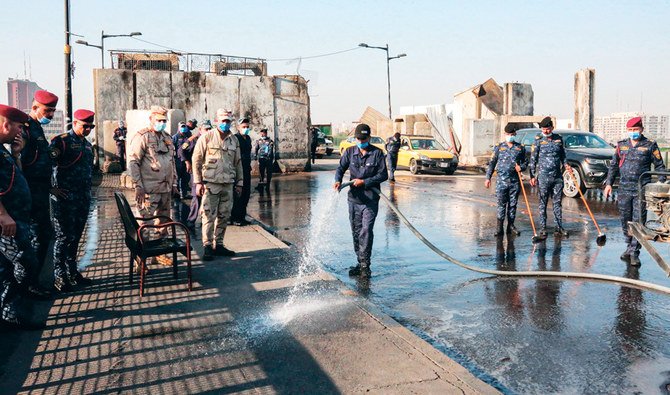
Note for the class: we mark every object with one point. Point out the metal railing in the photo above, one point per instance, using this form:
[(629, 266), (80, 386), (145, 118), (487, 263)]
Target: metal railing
[(180, 61)]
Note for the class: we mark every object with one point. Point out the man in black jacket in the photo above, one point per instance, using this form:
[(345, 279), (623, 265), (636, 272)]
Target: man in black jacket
[(240, 201), (367, 169)]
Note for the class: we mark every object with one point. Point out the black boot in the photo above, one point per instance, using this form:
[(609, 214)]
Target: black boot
[(560, 232), (625, 256), (512, 230), (635, 260), (499, 228), (355, 270), (543, 233), (208, 254), (220, 250)]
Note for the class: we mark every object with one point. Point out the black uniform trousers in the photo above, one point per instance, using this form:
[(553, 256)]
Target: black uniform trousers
[(362, 219), (41, 230), (265, 170), (69, 219), (183, 179), (240, 202), (629, 210)]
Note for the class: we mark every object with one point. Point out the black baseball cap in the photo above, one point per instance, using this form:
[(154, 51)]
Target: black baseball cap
[(362, 131)]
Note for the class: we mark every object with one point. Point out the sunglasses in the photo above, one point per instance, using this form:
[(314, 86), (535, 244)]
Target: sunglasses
[(88, 126)]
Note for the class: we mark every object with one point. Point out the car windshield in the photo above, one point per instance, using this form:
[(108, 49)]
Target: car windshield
[(376, 140), (427, 144), (583, 141)]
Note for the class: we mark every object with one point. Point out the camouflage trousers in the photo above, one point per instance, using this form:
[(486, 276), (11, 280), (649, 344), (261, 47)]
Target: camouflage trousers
[(508, 197), (629, 210), (551, 188), (69, 216), (157, 204), (217, 202)]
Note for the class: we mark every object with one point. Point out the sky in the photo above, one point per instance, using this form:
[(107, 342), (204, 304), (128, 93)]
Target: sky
[(450, 46)]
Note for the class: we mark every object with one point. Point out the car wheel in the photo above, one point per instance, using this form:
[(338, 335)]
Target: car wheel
[(413, 167), (570, 187), (449, 171), (319, 156)]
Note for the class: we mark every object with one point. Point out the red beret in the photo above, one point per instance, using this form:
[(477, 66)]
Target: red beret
[(46, 98), (13, 114), (84, 115), (634, 122)]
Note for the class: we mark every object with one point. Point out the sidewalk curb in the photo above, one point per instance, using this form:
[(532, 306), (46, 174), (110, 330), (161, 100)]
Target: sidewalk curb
[(446, 365)]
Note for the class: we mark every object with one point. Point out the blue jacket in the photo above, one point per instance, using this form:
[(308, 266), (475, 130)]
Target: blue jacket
[(630, 162), (503, 160), (370, 168)]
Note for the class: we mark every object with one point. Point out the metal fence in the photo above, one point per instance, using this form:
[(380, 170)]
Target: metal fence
[(177, 61)]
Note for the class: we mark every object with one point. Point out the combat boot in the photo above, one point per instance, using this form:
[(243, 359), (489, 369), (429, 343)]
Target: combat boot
[(220, 250), (543, 233), (208, 254), (79, 279), (38, 293), (499, 228), (512, 230), (62, 285), (635, 260), (560, 232), (355, 270), (625, 256)]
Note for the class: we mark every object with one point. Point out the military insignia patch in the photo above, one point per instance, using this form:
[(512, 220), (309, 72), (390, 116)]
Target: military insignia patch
[(503, 148), (54, 153), (623, 148), (184, 146), (544, 142), (657, 154)]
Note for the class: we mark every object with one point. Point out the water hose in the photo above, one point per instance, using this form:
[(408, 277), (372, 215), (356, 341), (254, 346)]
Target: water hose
[(534, 274)]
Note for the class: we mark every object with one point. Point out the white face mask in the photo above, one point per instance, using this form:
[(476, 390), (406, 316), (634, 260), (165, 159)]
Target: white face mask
[(509, 139)]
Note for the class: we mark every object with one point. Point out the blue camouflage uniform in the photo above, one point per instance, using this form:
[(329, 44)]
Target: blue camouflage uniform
[(363, 202), (508, 188), (547, 159), (264, 152), (72, 172), (183, 177), (629, 162), (186, 149), (392, 149), (36, 166), (18, 255)]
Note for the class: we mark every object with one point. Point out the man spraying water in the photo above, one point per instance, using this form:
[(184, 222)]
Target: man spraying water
[(367, 170)]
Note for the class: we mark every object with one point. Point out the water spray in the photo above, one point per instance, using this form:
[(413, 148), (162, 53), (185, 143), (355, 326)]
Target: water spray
[(534, 274)]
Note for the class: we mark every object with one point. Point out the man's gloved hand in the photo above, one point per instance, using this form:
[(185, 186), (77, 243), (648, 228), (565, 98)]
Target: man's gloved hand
[(140, 196)]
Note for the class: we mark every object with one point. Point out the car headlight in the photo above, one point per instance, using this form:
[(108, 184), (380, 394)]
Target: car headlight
[(424, 157), (593, 161)]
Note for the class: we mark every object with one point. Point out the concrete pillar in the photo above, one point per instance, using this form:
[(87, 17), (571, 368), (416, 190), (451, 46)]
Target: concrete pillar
[(585, 87), (518, 99)]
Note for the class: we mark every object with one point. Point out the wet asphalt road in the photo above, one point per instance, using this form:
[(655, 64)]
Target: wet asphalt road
[(523, 336)]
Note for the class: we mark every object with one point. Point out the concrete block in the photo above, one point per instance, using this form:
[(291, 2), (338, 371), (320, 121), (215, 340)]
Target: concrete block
[(221, 92), (292, 122), (518, 99), (153, 88), (585, 88), (256, 102), (189, 93), (385, 128), (108, 146), (423, 128)]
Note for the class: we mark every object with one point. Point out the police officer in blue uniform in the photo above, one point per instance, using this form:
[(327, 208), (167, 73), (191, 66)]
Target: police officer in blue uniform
[(392, 149), (367, 169), (36, 166), (17, 256), (183, 175), (187, 150), (509, 157), (264, 151), (72, 154), (120, 134), (632, 157), (547, 160)]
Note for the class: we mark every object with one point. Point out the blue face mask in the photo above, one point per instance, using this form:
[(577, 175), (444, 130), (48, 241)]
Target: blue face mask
[(634, 135), (509, 139), (160, 126), (184, 129), (224, 126), (44, 121), (363, 145), (246, 131)]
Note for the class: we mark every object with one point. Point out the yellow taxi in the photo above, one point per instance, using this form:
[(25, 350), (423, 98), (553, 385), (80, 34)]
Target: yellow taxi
[(424, 153), (374, 140)]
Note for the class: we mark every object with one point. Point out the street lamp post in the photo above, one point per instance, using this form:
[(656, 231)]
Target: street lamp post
[(388, 68), (101, 47)]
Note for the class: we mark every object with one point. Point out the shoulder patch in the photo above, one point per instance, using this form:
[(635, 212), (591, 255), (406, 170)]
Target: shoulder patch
[(54, 153), (657, 154), (623, 148)]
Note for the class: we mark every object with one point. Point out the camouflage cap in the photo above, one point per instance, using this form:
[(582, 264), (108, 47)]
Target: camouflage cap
[(159, 112)]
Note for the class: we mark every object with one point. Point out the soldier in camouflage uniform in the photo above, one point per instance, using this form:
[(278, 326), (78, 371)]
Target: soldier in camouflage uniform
[(152, 169), (632, 157), (547, 159), (16, 252), (509, 157), (36, 166), (72, 154)]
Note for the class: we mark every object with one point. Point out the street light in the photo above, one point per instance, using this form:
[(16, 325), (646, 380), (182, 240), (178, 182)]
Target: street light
[(388, 68), (101, 47)]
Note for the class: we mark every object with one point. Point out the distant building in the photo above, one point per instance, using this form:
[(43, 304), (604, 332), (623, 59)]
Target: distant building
[(56, 126), (612, 128), (20, 93)]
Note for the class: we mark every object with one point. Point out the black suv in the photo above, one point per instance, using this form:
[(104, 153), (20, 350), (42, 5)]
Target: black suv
[(586, 152)]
